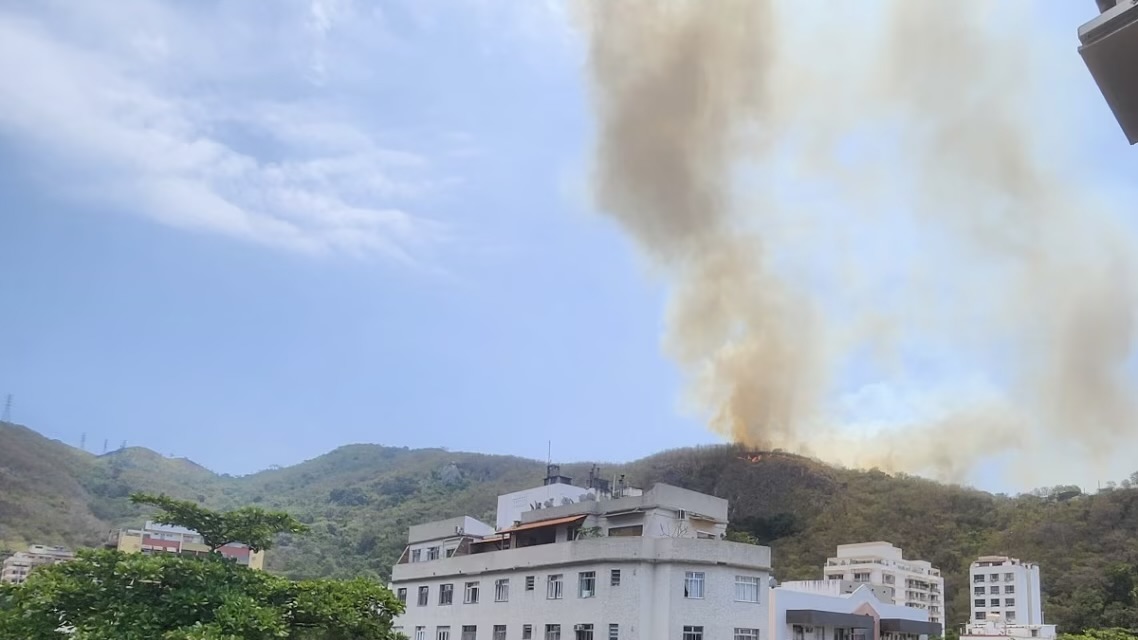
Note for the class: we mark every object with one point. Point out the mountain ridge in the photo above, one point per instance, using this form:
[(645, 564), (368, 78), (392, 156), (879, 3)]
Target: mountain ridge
[(359, 499)]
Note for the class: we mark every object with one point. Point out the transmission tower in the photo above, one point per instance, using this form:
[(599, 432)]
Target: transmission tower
[(7, 410), (83, 442), (104, 445)]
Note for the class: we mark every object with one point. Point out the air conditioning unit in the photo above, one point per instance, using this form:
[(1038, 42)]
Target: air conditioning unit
[(458, 530)]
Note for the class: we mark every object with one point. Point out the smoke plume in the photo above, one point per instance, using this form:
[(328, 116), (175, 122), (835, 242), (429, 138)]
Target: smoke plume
[(867, 191)]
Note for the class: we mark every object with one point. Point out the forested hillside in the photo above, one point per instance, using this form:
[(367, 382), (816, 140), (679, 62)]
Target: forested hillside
[(360, 499)]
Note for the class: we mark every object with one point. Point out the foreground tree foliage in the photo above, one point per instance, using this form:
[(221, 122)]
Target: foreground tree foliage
[(109, 595)]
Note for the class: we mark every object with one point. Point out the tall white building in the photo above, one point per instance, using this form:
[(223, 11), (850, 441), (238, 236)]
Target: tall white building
[(1005, 589), (645, 567), (911, 583)]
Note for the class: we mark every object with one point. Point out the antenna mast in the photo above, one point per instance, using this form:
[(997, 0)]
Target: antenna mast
[(7, 410)]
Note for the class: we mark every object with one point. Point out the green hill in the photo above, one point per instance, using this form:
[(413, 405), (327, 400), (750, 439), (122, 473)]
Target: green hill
[(360, 499)]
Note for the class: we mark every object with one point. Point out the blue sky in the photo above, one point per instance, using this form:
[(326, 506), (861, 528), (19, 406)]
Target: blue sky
[(247, 236)]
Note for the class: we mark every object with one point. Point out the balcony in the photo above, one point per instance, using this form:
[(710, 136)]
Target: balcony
[(592, 551)]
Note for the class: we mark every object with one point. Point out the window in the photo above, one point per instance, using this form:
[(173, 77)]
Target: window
[(614, 632), (994, 603), (980, 615), (424, 593), (587, 584), (693, 633), (499, 632), (614, 578), (746, 634), (433, 553), (416, 556), (527, 632), (693, 586), (1009, 577), (1011, 617), (979, 604), (1009, 589), (502, 590), (978, 591), (442, 633), (552, 632), (623, 532), (553, 592), (469, 632), (471, 596), (1009, 602), (529, 583), (978, 578), (861, 577), (994, 590), (420, 633), (402, 593), (888, 578), (583, 631), (995, 577), (798, 632), (446, 594), (746, 589)]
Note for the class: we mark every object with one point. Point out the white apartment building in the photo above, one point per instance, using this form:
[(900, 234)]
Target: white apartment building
[(913, 583), (17, 566), (824, 610), (1007, 590), (652, 566)]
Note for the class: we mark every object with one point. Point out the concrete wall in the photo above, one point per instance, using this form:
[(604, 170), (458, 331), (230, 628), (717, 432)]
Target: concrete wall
[(442, 529), (511, 506), (649, 603), (660, 495)]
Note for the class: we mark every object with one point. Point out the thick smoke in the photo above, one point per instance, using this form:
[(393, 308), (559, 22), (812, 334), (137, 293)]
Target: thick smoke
[(837, 190)]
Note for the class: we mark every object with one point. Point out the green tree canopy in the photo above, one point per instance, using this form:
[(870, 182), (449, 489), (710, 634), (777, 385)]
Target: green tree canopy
[(253, 526), (110, 595)]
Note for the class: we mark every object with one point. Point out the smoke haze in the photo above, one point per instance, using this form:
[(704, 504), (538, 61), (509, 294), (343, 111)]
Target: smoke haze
[(867, 192)]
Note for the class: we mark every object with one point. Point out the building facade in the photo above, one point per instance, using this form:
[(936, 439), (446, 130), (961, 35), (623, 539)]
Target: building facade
[(648, 567), (161, 538), (824, 610), (1005, 589), (911, 583), (19, 565)]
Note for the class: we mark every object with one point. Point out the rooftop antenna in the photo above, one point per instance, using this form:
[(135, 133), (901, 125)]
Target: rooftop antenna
[(548, 451), (7, 410)]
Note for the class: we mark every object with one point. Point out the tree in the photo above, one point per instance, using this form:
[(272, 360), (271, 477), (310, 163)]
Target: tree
[(253, 526), (110, 595)]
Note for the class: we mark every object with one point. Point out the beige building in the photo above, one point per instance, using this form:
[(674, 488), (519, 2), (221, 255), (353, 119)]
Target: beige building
[(161, 538), (17, 567), (912, 583)]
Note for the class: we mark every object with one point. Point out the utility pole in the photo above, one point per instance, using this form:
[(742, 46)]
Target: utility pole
[(83, 442), (7, 410)]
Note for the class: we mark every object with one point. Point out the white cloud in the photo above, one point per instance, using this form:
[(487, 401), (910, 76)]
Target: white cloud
[(152, 113)]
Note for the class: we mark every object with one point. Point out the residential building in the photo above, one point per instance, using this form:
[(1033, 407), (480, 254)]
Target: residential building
[(17, 566), (823, 610), (996, 629), (913, 583), (652, 566), (1005, 589), (161, 538)]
